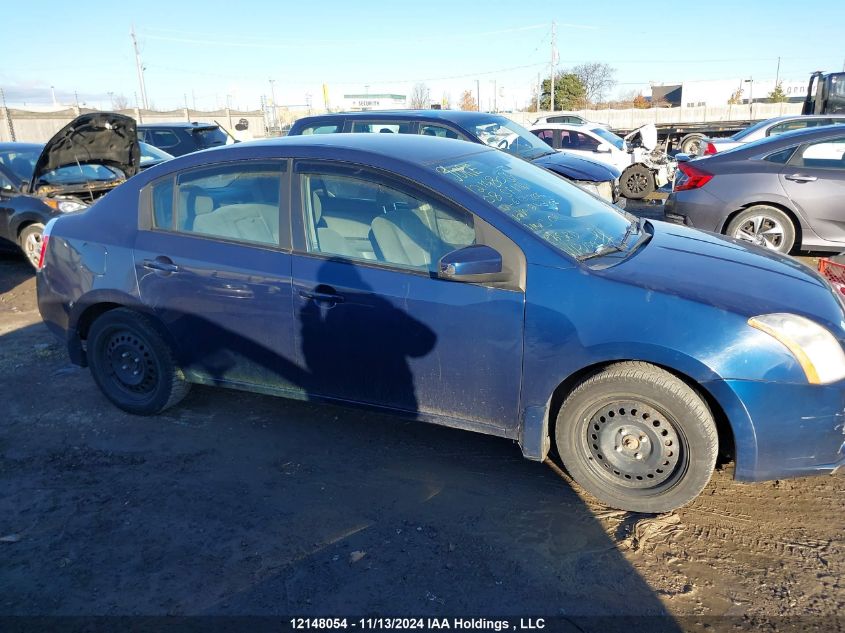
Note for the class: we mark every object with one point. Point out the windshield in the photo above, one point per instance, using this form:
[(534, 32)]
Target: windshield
[(210, 137), (151, 154), (563, 215), (77, 174), (21, 162), (504, 134), (749, 130), (610, 137)]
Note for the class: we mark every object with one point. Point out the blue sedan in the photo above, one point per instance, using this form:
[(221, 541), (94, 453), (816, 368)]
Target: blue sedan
[(455, 284)]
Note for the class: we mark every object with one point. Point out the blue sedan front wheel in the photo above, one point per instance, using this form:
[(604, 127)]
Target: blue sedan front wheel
[(638, 438)]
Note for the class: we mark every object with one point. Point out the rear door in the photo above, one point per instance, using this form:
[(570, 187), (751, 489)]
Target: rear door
[(213, 262), (814, 179), (376, 325)]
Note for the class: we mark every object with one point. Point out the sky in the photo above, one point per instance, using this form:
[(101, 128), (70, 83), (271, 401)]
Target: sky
[(207, 54)]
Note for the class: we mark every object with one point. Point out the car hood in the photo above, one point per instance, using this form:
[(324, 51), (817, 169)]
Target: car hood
[(648, 136), (577, 168), (97, 138), (727, 274)]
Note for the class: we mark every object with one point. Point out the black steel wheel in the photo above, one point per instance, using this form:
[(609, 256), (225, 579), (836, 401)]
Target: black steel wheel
[(636, 182), (132, 364), (638, 438)]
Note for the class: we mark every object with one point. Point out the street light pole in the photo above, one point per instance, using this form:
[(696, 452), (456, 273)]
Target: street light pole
[(275, 118)]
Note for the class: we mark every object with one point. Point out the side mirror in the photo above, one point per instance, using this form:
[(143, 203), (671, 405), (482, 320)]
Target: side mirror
[(603, 148), (476, 263)]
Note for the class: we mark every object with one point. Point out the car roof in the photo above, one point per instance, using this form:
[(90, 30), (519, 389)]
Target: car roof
[(455, 116), (410, 149), (8, 147), (179, 124), (787, 117)]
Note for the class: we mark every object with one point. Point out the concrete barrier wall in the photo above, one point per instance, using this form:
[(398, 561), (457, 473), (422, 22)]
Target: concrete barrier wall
[(38, 127)]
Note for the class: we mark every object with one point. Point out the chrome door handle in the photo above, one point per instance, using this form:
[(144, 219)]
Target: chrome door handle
[(800, 178), (321, 296)]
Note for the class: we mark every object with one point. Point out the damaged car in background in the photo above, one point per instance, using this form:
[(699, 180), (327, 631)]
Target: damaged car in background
[(644, 166), (86, 159)]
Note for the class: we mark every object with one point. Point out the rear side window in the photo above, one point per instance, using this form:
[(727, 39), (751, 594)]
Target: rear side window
[(162, 138), (235, 201)]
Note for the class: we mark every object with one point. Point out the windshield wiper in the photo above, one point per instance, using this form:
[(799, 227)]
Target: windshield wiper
[(606, 249)]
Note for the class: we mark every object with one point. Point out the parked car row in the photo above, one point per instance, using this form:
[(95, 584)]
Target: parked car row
[(598, 177), (461, 283)]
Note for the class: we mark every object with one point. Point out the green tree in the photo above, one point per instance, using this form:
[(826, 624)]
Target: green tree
[(778, 95), (569, 92)]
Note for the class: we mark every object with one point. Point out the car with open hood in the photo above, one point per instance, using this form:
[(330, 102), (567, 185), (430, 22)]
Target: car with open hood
[(86, 159), (456, 284), (494, 130)]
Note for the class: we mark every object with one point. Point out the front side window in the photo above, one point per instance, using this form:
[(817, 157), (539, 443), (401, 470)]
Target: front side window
[(383, 222), (827, 154), (234, 201), (548, 136), (429, 129), (563, 215)]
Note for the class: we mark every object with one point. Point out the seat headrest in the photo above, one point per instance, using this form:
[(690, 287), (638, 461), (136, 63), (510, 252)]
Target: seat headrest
[(203, 205)]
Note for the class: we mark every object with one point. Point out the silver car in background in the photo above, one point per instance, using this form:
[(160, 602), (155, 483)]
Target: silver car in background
[(765, 129), (782, 193)]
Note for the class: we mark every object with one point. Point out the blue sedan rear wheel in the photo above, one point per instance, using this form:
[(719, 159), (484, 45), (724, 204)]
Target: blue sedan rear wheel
[(638, 438), (132, 364)]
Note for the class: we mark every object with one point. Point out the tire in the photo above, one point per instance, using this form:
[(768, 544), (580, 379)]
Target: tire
[(764, 226), (636, 182), (29, 241), (632, 409), (133, 365), (691, 143)]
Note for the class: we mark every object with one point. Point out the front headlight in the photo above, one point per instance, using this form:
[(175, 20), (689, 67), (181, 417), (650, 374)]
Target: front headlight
[(814, 347), (67, 206)]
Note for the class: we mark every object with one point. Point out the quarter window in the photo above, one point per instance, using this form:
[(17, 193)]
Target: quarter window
[(380, 222)]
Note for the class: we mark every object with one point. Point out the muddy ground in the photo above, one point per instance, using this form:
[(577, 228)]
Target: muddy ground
[(236, 504)]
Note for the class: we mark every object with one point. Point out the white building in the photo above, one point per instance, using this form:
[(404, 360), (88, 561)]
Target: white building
[(717, 92)]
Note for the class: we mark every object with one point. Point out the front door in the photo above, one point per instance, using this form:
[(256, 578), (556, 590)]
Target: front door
[(814, 179), (215, 267), (375, 324)]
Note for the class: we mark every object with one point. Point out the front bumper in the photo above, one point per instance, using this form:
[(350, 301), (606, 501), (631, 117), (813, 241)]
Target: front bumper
[(784, 430)]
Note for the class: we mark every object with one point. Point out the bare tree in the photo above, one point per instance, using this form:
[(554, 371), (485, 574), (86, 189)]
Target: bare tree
[(468, 101), (597, 79), (419, 97), (119, 102), (446, 100)]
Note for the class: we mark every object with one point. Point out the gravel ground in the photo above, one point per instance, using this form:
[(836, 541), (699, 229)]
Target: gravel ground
[(240, 504)]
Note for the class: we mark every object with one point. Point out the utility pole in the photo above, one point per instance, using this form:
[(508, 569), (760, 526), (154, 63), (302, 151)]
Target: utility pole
[(273, 95), (478, 95), (777, 75), (495, 96), (552, 84), (53, 94), (140, 68), (539, 88), (8, 116)]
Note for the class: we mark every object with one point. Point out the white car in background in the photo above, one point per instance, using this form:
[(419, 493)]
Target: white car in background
[(644, 167), (763, 129), (568, 118)]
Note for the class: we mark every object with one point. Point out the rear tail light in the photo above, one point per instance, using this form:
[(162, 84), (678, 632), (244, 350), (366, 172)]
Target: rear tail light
[(45, 237), (691, 177), (710, 149)]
